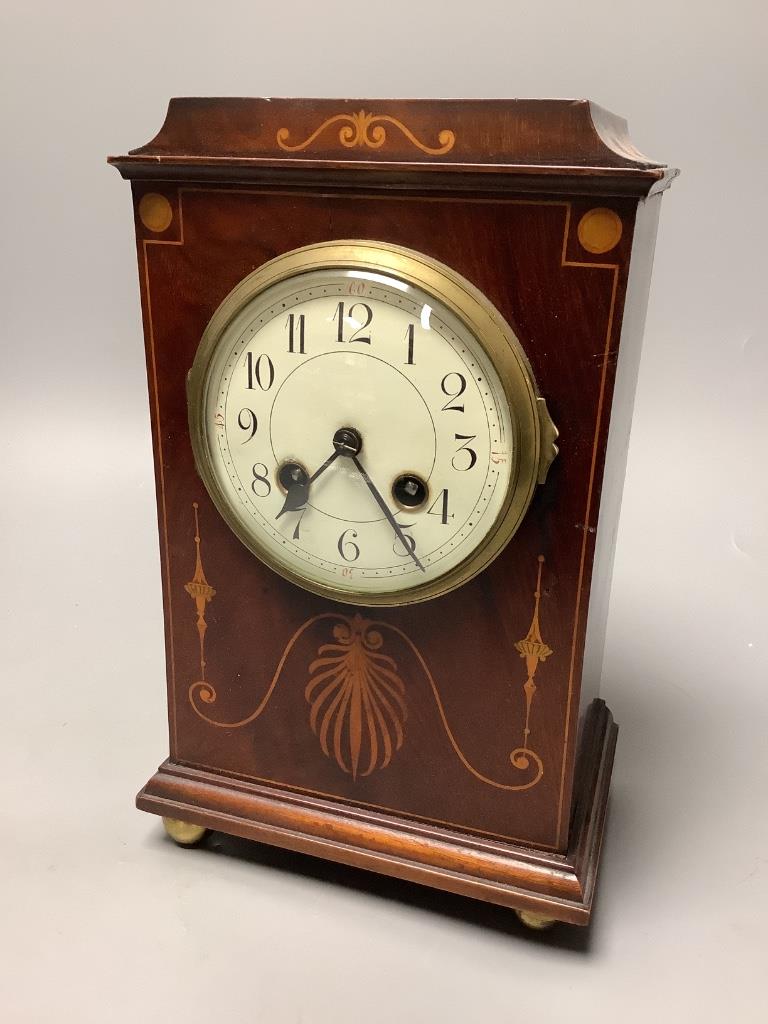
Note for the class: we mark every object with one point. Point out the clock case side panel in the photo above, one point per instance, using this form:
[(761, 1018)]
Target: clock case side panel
[(633, 323), (163, 189)]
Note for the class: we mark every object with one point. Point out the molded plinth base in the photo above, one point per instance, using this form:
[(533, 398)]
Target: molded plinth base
[(542, 885)]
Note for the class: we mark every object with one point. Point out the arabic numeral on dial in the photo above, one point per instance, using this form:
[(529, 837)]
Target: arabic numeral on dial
[(442, 511), (356, 310), (458, 461), (348, 550), (453, 385), (409, 337), (407, 546), (260, 484), (302, 513), (247, 421), (260, 372), (295, 327)]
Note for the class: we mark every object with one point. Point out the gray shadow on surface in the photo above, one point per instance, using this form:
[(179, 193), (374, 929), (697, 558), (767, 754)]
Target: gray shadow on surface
[(458, 909)]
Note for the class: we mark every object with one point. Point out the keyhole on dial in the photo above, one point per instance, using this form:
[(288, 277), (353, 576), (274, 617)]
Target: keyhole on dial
[(292, 474), (409, 490)]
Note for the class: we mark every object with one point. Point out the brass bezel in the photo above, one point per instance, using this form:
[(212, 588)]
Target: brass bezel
[(534, 431)]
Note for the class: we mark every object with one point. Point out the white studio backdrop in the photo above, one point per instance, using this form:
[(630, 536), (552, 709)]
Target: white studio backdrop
[(102, 919)]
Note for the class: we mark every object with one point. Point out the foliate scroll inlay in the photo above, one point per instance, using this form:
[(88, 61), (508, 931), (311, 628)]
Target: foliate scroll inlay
[(364, 129), (356, 696), (533, 650), (201, 592)]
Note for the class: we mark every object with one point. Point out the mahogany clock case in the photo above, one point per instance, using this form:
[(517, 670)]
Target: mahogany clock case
[(468, 779)]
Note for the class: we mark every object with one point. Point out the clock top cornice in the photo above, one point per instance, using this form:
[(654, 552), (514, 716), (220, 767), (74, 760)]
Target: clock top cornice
[(533, 145)]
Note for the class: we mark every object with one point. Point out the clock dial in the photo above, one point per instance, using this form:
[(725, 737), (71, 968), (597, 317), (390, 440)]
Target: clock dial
[(356, 433)]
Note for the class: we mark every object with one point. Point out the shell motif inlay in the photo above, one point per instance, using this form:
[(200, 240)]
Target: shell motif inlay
[(356, 696), (357, 699)]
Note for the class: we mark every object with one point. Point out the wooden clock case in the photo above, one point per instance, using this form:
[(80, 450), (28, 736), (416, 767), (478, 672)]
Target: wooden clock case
[(488, 772)]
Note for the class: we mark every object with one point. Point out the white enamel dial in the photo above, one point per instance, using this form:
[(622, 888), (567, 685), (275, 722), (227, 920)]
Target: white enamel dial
[(424, 473)]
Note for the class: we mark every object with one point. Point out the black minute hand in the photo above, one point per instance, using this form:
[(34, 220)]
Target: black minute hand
[(383, 506)]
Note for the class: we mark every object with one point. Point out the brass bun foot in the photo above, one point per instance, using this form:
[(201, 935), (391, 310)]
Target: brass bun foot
[(183, 832), (536, 921)]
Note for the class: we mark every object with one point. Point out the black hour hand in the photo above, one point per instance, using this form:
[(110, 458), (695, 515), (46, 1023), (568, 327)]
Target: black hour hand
[(296, 482), (295, 499)]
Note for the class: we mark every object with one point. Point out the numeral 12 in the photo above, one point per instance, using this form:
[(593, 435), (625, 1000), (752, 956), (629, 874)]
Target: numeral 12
[(339, 314)]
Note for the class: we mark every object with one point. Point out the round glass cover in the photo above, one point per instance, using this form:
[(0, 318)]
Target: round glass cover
[(356, 429)]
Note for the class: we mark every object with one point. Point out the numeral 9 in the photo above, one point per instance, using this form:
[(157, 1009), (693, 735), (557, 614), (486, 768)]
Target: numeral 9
[(246, 420)]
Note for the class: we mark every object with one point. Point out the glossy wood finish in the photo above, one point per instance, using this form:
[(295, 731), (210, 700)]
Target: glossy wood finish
[(520, 145), (568, 331), (560, 886), (454, 806)]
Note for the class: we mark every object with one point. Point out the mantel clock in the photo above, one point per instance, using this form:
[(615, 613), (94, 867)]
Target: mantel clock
[(392, 348)]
